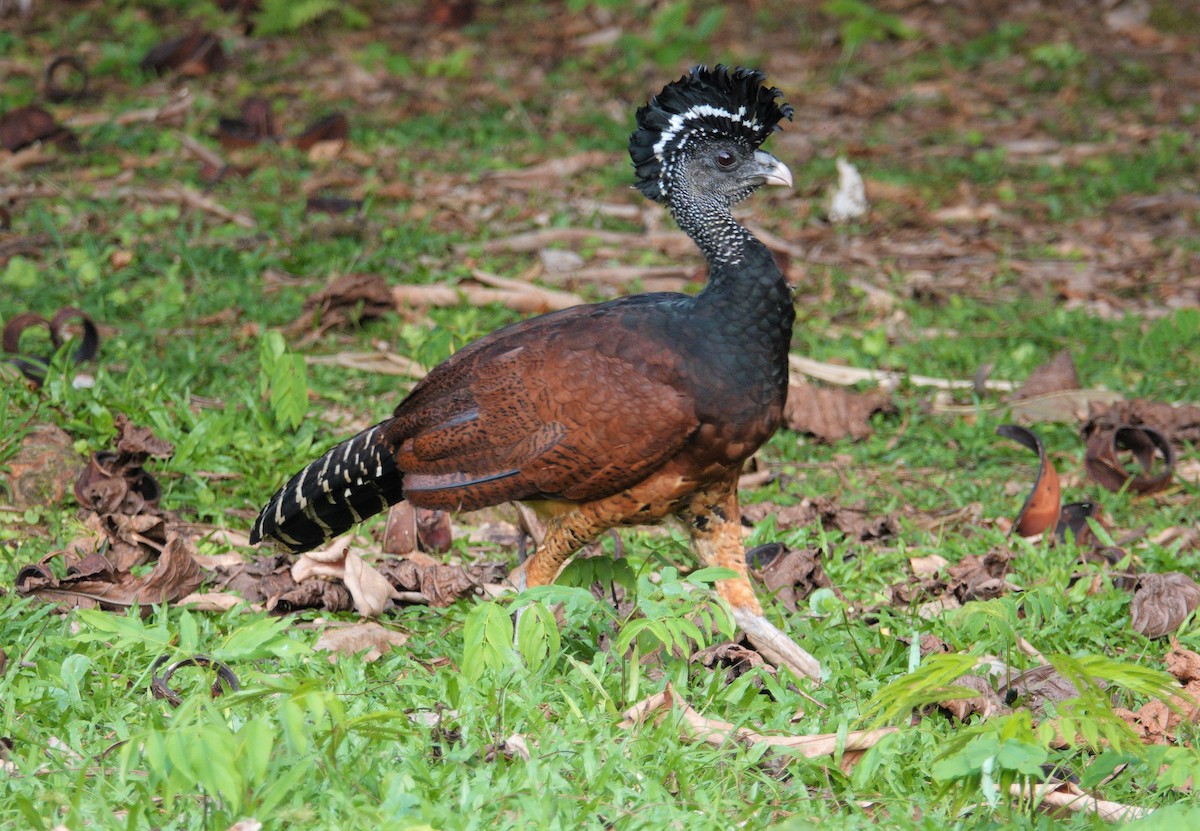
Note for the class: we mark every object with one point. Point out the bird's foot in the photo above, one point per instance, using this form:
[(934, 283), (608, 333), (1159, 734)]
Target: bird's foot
[(776, 646), (517, 578)]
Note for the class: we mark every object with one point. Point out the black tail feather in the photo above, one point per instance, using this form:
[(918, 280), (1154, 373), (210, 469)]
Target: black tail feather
[(351, 482)]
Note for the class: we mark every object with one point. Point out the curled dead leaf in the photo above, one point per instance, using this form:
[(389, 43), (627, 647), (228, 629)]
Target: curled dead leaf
[(325, 137), (855, 521), (985, 702), (1043, 505), (1178, 422), (1074, 519), (370, 590), (160, 684), (59, 330), (734, 658), (1161, 603), (1146, 444), (327, 204), (23, 126), (194, 54), (256, 124), (452, 14), (115, 481), (92, 583), (65, 79), (441, 584)]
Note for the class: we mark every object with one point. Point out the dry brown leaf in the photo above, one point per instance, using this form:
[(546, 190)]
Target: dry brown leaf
[(1034, 687), (979, 578), (986, 702), (197, 53), (44, 468), (1161, 602), (258, 579), (1149, 447), (311, 594), (94, 582), (928, 565), (325, 138), (1180, 423), (213, 601), (1184, 664), (367, 637), (832, 414), (794, 575), (256, 124), (855, 521), (22, 127), (346, 300), (734, 658), (370, 590), (1043, 505), (441, 584), (1057, 375), (400, 533)]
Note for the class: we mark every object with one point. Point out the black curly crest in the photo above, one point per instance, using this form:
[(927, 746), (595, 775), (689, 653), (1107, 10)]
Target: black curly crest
[(703, 102)]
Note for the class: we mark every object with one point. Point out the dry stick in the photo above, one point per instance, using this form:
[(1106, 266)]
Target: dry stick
[(622, 275), (384, 363), (183, 195), (522, 297), (847, 375), (537, 240), (1073, 799), (719, 733), (171, 111), (204, 154)]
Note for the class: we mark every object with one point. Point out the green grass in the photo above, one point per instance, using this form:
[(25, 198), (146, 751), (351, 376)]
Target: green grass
[(415, 740)]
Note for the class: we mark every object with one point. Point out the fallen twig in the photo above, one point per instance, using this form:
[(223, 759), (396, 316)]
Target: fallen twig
[(515, 294), (180, 195), (384, 363), (720, 733), (1069, 797), (886, 379), (537, 240), (171, 112)]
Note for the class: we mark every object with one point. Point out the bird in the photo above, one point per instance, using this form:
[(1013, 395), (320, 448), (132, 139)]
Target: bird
[(612, 414)]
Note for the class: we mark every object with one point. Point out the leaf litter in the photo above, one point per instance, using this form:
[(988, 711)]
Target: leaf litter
[(959, 259)]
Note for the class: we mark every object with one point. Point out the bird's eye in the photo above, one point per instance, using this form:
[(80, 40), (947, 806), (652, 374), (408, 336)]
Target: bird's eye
[(726, 159)]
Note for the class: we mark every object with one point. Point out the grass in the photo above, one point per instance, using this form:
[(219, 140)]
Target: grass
[(417, 738)]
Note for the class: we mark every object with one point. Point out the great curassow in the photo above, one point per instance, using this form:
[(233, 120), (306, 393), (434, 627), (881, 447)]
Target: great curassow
[(619, 413)]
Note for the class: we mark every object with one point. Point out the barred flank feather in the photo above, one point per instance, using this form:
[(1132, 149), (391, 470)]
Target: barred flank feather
[(351, 482)]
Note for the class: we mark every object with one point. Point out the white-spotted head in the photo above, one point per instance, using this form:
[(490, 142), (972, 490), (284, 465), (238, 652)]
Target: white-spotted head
[(712, 122)]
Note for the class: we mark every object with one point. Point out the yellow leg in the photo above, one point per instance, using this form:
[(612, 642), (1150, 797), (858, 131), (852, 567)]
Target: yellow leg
[(566, 533), (713, 518)]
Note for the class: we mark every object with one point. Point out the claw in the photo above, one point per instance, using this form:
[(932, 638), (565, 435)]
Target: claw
[(776, 646)]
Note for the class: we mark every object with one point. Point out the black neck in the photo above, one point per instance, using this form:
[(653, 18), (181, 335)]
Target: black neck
[(713, 228), (743, 278)]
